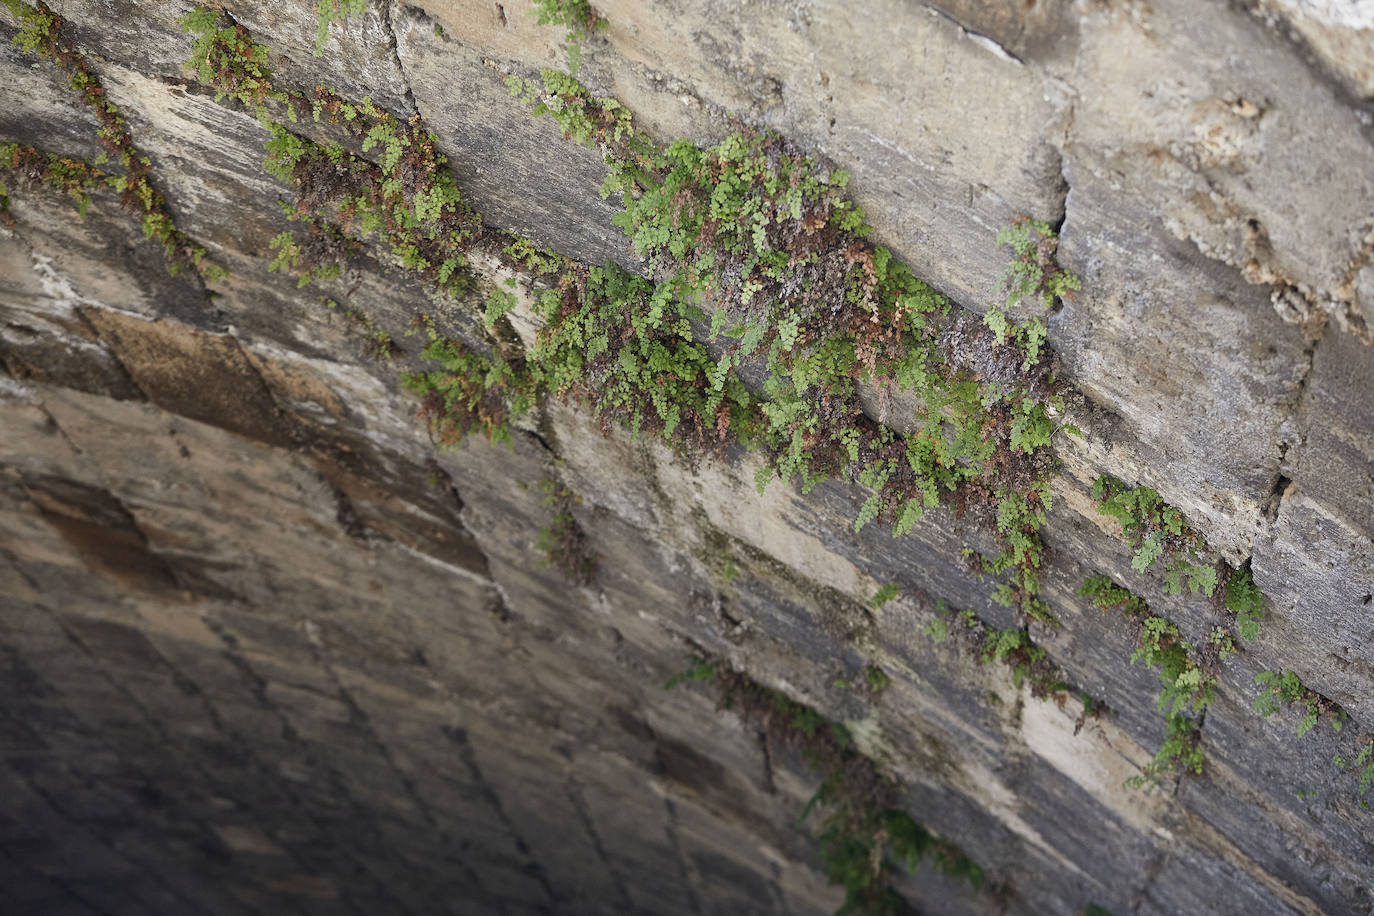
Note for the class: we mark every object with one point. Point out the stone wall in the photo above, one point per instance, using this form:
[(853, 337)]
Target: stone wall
[(267, 649)]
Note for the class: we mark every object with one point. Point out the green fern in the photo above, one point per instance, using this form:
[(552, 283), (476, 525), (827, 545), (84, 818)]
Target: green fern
[(883, 595), (328, 12), (1246, 601), (577, 16)]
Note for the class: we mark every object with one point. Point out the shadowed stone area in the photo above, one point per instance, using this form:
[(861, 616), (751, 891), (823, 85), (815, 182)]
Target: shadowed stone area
[(267, 647)]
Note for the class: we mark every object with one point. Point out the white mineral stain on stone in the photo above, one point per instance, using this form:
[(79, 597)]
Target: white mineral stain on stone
[(1001, 802), (452, 569), (58, 288), (52, 314), (776, 522), (1350, 14), (1100, 758), (185, 126), (17, 391)]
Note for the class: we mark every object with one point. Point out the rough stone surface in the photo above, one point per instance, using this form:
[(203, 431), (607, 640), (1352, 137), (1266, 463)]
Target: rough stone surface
[(265, 649)]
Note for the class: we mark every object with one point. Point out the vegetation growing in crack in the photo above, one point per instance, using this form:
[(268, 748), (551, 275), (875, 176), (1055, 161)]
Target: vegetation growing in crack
[(1244, 599), (877, 679), (226, 57), (562, 540), (759, 256), (1363, 763), (871, 680), (1159, 534), (377, 343), (1287, 689), (1184, 681), (321, 255), (883, 595), (41, 33), (469, 391), (750, 243), (1187, 676), (1156, 530), (1034, 274), (865, 838), (1106, 595), (577, 16), (1011, 647), (28, 166), (760, 262), (328, 12), (407, 198), (1180, 752)]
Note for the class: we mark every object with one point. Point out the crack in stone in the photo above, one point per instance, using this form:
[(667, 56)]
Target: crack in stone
[(256, 762), (684, 866), (465, 753), (257, 687), (1148, 876), (13, 560), (347, 514), (1295, 302), (1061, 215), (96, 830), (768, 780), (42, 266), (1288, 432), (388, 13), (978, 38), (92, 904), (148, 719), (1197, 735), (359, 718), (584, 815)]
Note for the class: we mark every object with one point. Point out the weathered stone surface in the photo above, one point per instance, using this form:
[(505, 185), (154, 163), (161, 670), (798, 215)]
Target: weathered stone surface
[(45, 336), (917, 149), (1209, 402), (1318, 571), (1340, 35), (265, 649), (519, 172), (1234, 153), (1332, 459)]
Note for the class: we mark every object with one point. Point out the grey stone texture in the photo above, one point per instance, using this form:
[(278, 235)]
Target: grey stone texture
[(265, 649)]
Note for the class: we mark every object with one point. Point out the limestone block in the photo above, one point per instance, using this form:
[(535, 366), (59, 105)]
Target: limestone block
[(1317, 572)]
